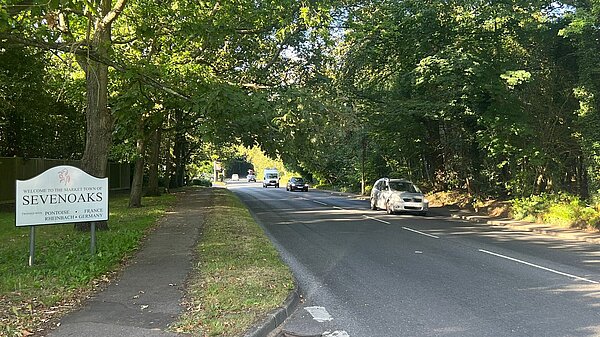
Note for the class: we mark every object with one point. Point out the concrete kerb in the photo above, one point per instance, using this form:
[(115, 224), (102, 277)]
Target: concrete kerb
[(276, 316)]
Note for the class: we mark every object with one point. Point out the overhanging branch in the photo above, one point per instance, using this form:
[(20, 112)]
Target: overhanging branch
[(82, 50)]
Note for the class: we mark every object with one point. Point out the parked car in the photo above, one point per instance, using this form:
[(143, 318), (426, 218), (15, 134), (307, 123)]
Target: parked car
[(235, 177), (296, 184), (398, 195)]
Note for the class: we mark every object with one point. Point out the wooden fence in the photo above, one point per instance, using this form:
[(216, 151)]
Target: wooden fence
[(13, 168)]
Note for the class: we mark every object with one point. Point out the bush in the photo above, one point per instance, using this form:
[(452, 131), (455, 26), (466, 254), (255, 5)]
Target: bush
[(368, 189), (531, 208), (557, 209), (201, 182)]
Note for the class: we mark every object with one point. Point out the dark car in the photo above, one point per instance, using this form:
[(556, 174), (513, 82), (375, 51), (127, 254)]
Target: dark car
[(296, 184)]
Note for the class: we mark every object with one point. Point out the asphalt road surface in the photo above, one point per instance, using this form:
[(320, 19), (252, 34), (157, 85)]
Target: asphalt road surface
[(364, 273)]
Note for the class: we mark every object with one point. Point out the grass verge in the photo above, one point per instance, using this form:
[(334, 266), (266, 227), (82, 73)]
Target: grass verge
[(239, 274), (64, 270)]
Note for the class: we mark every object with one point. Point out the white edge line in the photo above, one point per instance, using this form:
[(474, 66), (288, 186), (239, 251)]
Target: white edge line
[(539, 267), (372, 218), (422, 233)]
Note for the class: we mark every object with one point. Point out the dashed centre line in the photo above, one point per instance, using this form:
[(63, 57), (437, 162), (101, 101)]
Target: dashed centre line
[(422, 233), (539, 267), (372, 218), (320, 202)]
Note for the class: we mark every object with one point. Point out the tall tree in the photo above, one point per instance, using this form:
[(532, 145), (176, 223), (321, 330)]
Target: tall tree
[(584, 32)]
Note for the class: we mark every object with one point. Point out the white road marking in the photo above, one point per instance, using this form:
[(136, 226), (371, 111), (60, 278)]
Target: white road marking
[(422, 233), (319, 314), (372, 218), (336, 207), (319, 202), (539, 267), (335, 334)]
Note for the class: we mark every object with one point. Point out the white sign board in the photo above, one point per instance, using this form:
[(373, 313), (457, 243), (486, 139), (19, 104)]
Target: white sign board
[(62, 194)]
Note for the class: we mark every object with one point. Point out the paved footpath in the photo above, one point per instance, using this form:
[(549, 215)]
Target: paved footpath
[(146, 297)]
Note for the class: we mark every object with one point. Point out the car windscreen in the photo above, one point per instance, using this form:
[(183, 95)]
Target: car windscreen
[(271, 176), (404, 187), (297, 180)]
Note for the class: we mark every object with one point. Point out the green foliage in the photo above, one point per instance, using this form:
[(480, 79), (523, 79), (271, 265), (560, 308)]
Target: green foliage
[(458, 95), (33, 123), (532, 208), (557, 209), (201, 182), (493, 98)]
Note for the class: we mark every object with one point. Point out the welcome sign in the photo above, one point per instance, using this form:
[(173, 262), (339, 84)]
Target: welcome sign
[(62, 194)]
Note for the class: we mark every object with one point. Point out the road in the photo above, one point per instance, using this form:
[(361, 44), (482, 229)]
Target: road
[(364, 273)]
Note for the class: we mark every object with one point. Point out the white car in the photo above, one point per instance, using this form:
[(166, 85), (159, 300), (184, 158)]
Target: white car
[(235, 177), (398, 195)]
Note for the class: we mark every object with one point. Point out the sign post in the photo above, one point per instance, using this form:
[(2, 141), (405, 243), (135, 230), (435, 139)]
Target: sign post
[(93, 239), (62, 194), (31, 245)]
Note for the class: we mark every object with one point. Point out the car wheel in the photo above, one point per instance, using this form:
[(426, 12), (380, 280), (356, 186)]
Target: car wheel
[(373, 204), (306, 189), (277, 186), (389, 208)]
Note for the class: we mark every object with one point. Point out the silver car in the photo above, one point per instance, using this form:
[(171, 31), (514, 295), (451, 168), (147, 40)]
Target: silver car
[(398, 195)]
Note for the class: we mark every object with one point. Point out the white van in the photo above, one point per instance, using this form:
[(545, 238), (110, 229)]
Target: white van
[(271, 178)]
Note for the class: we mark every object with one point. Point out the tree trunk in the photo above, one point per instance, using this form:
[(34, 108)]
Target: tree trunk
[(154, 157), (582, 179), (168, 163), (99, 120), (135, 195), (180, 161)]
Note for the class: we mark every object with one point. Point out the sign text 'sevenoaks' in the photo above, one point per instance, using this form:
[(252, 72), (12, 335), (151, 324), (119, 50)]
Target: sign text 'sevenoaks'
[(61, 198)]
